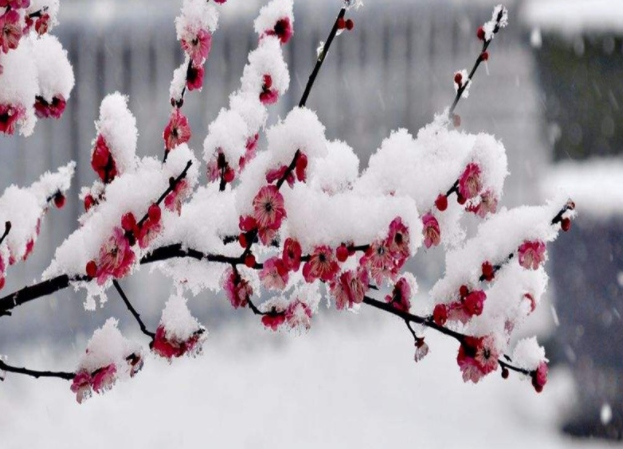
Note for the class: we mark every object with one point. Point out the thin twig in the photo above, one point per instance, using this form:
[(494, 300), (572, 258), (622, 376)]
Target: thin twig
[(34, 373), (132, 310)]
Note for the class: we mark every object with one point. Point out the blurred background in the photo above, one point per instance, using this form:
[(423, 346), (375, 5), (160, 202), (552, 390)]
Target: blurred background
[(551, 92)]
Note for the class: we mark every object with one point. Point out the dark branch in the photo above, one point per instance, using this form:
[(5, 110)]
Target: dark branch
[(34, 373), (7, 229), (132, 310), (321, 58)]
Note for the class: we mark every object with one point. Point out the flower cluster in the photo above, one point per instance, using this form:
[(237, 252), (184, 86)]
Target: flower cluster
[(478, 357)]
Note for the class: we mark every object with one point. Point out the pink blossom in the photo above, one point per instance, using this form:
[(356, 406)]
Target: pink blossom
[(474, 302), (421, 350), (292, 254), (9, 116), (237, 289), (487, 354), (194, 77), (268, 95), (398, 240), (268, 208), (10, 31), (148, 232), (250, 151), (116, 257), (104, 378), (274, 275), (531, 254), (42, 25), (198, 48), (15, 4), (299, 315), (401, 296), (55, 109), (177, 130), (321, 265), (169, 347), (174, 200), (283, 30), (81, 385), (350, 288), (488, 205), (102, 161), (432, 233), (379, 261), (301, 167), (274, 318), (278, 173), (470, 183)]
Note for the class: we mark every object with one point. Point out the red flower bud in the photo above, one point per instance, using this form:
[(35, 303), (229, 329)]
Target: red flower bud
[(484, 56), (460, 199), (341, 23), (488, 272), (128, 222), (565, 224), (249, 260), (441, 202), (342, 253), (458, 78), (229, 175), (242, 239), (456, 120), (91, 269), (440, 314), (463, 291), (154, 213), (505, 373), (2, 282), (59, 200), (89, 202), (481, 33), (350, 24)]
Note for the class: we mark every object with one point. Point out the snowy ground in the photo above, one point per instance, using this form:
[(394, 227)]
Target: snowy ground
[(335, 387)]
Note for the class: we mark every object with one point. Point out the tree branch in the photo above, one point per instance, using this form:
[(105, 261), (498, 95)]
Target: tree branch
[(133, 311), (34, 373)]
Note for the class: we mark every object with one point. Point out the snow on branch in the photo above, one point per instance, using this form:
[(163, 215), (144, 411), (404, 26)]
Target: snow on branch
[(291, 222)]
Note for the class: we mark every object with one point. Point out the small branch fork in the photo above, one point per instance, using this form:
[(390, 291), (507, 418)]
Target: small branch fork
[(133, 311), (479, 60)]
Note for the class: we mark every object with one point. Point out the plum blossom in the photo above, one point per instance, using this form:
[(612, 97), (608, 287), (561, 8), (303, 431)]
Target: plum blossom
[(292, 254), (115, 258), (432, 233), (278, 173), (42, 25), (55, 109), (81, 385), (177, 130), (174, 200), (249, 151), (102, 160), (401, 296), (9, 116), (299, 315), (350, 288), (282, 29), (268, 95), (440, 314), (15, 4), (104, 378), (398, 240), (470, 183), (474, 302), (488, 205), (237, 289), (198, 48), (274, 318), (531, 254), (477, 357), (321, 265), (421, 350), (10, 31), (274, 275), (168, 346), (379, 261), (268, 207), (194, 77), (150, 228)]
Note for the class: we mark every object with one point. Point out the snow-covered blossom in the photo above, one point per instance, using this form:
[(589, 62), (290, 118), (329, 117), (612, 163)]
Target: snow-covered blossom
[(268, 207), (10, 115), (531, 254), (175, 199), (10, 30), (198, 47), (488, 204), (178, 333), (470, 183), (292, 254), (477, 357), (421, 350), (299, 315)]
